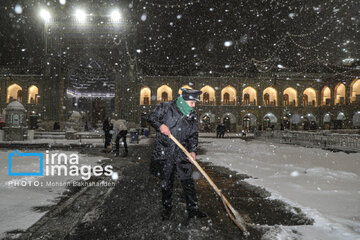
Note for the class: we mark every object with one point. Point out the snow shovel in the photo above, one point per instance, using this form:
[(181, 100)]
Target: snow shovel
[(233, 214)]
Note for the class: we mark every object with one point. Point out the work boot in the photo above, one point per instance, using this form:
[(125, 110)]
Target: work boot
[(124, 154), (166, 213)]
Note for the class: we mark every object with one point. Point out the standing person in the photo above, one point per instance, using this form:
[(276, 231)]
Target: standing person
[(222, 130), (121, 129), (179, 119), (107, 127), (218, 131)]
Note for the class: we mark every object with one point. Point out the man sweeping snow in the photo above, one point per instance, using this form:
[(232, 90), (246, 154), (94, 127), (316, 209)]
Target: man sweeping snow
[(179, 119)]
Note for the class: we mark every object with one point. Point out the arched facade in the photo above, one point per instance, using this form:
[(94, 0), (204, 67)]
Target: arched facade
[(208, 95), (325, 96), (290, 97), (164, 94), (339, 93), (310, 97), (207, 122), (14, 92), (145, 96), (249, 121), (270, 97), (355, 91), (249, 96), (228, 96), (33, 94)]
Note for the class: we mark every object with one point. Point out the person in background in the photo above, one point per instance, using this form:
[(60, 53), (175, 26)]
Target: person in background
[(218, 131), (107, 127), (121, 132), (179, 119)]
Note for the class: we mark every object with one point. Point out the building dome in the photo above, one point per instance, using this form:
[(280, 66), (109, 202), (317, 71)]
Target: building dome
[(15, 105)]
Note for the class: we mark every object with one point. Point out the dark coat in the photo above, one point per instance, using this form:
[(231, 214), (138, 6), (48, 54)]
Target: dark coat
[(166, 153)]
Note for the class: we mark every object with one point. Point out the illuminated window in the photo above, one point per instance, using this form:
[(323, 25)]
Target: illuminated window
[(325, 96), (290, 97), (340, 94), (355, 91), (164, 94), (228, 96), (309, 97), (14, 92), (249, 96), (270, 96), (145, 96), (33, 94), (208, 95)]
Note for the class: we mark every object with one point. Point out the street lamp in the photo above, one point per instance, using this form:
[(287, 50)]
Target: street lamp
[(45, 16), (80, 15), (115, 15)]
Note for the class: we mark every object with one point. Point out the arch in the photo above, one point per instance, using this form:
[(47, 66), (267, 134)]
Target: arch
[(271, 117), (341, 116), (185, 86), (164, 94), (339, 94), (208, 95), (249, 120), (292, 97), (14, 92), (327, 118), (210, 115), (207, 122), (230, 116), (33, 94), (355, 91), (228, 96), (270, 97), (325, 96), (310, 97), (249, 96), (310, 117), (356, 119), (229, 121), (145, 96)]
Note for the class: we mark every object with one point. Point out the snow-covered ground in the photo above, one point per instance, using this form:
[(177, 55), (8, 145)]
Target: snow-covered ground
[(16, 202), (325, 185)]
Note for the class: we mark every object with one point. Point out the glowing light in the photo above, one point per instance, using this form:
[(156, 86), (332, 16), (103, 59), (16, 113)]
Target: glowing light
[(45, 15), (80, 15), (115, 15), (18, 9)]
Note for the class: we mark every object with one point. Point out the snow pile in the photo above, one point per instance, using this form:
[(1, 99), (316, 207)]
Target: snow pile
[(325, 185)]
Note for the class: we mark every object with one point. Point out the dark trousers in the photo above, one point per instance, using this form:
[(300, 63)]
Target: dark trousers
[(108, 137), (122, 135), (188, 186)]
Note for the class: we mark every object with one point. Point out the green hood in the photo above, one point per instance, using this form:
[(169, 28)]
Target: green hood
[(183, 106)]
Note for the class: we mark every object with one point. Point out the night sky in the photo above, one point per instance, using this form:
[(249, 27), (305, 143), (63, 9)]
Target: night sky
[(212, 37)]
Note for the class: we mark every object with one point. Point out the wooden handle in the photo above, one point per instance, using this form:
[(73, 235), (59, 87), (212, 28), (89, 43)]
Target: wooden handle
[(233, 214)]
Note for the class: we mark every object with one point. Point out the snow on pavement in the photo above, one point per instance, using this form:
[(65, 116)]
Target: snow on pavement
[(324, 184), (16, 202)]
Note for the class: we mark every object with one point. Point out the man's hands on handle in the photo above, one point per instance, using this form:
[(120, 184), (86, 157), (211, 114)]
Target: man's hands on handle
[(166, 131), (193, 155)]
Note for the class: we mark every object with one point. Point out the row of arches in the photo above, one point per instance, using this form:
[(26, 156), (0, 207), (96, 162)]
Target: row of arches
[(270, 96), (250, 121), (15, 92)]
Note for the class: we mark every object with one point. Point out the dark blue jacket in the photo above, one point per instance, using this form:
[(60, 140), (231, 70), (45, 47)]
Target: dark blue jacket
[(166, 153)]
